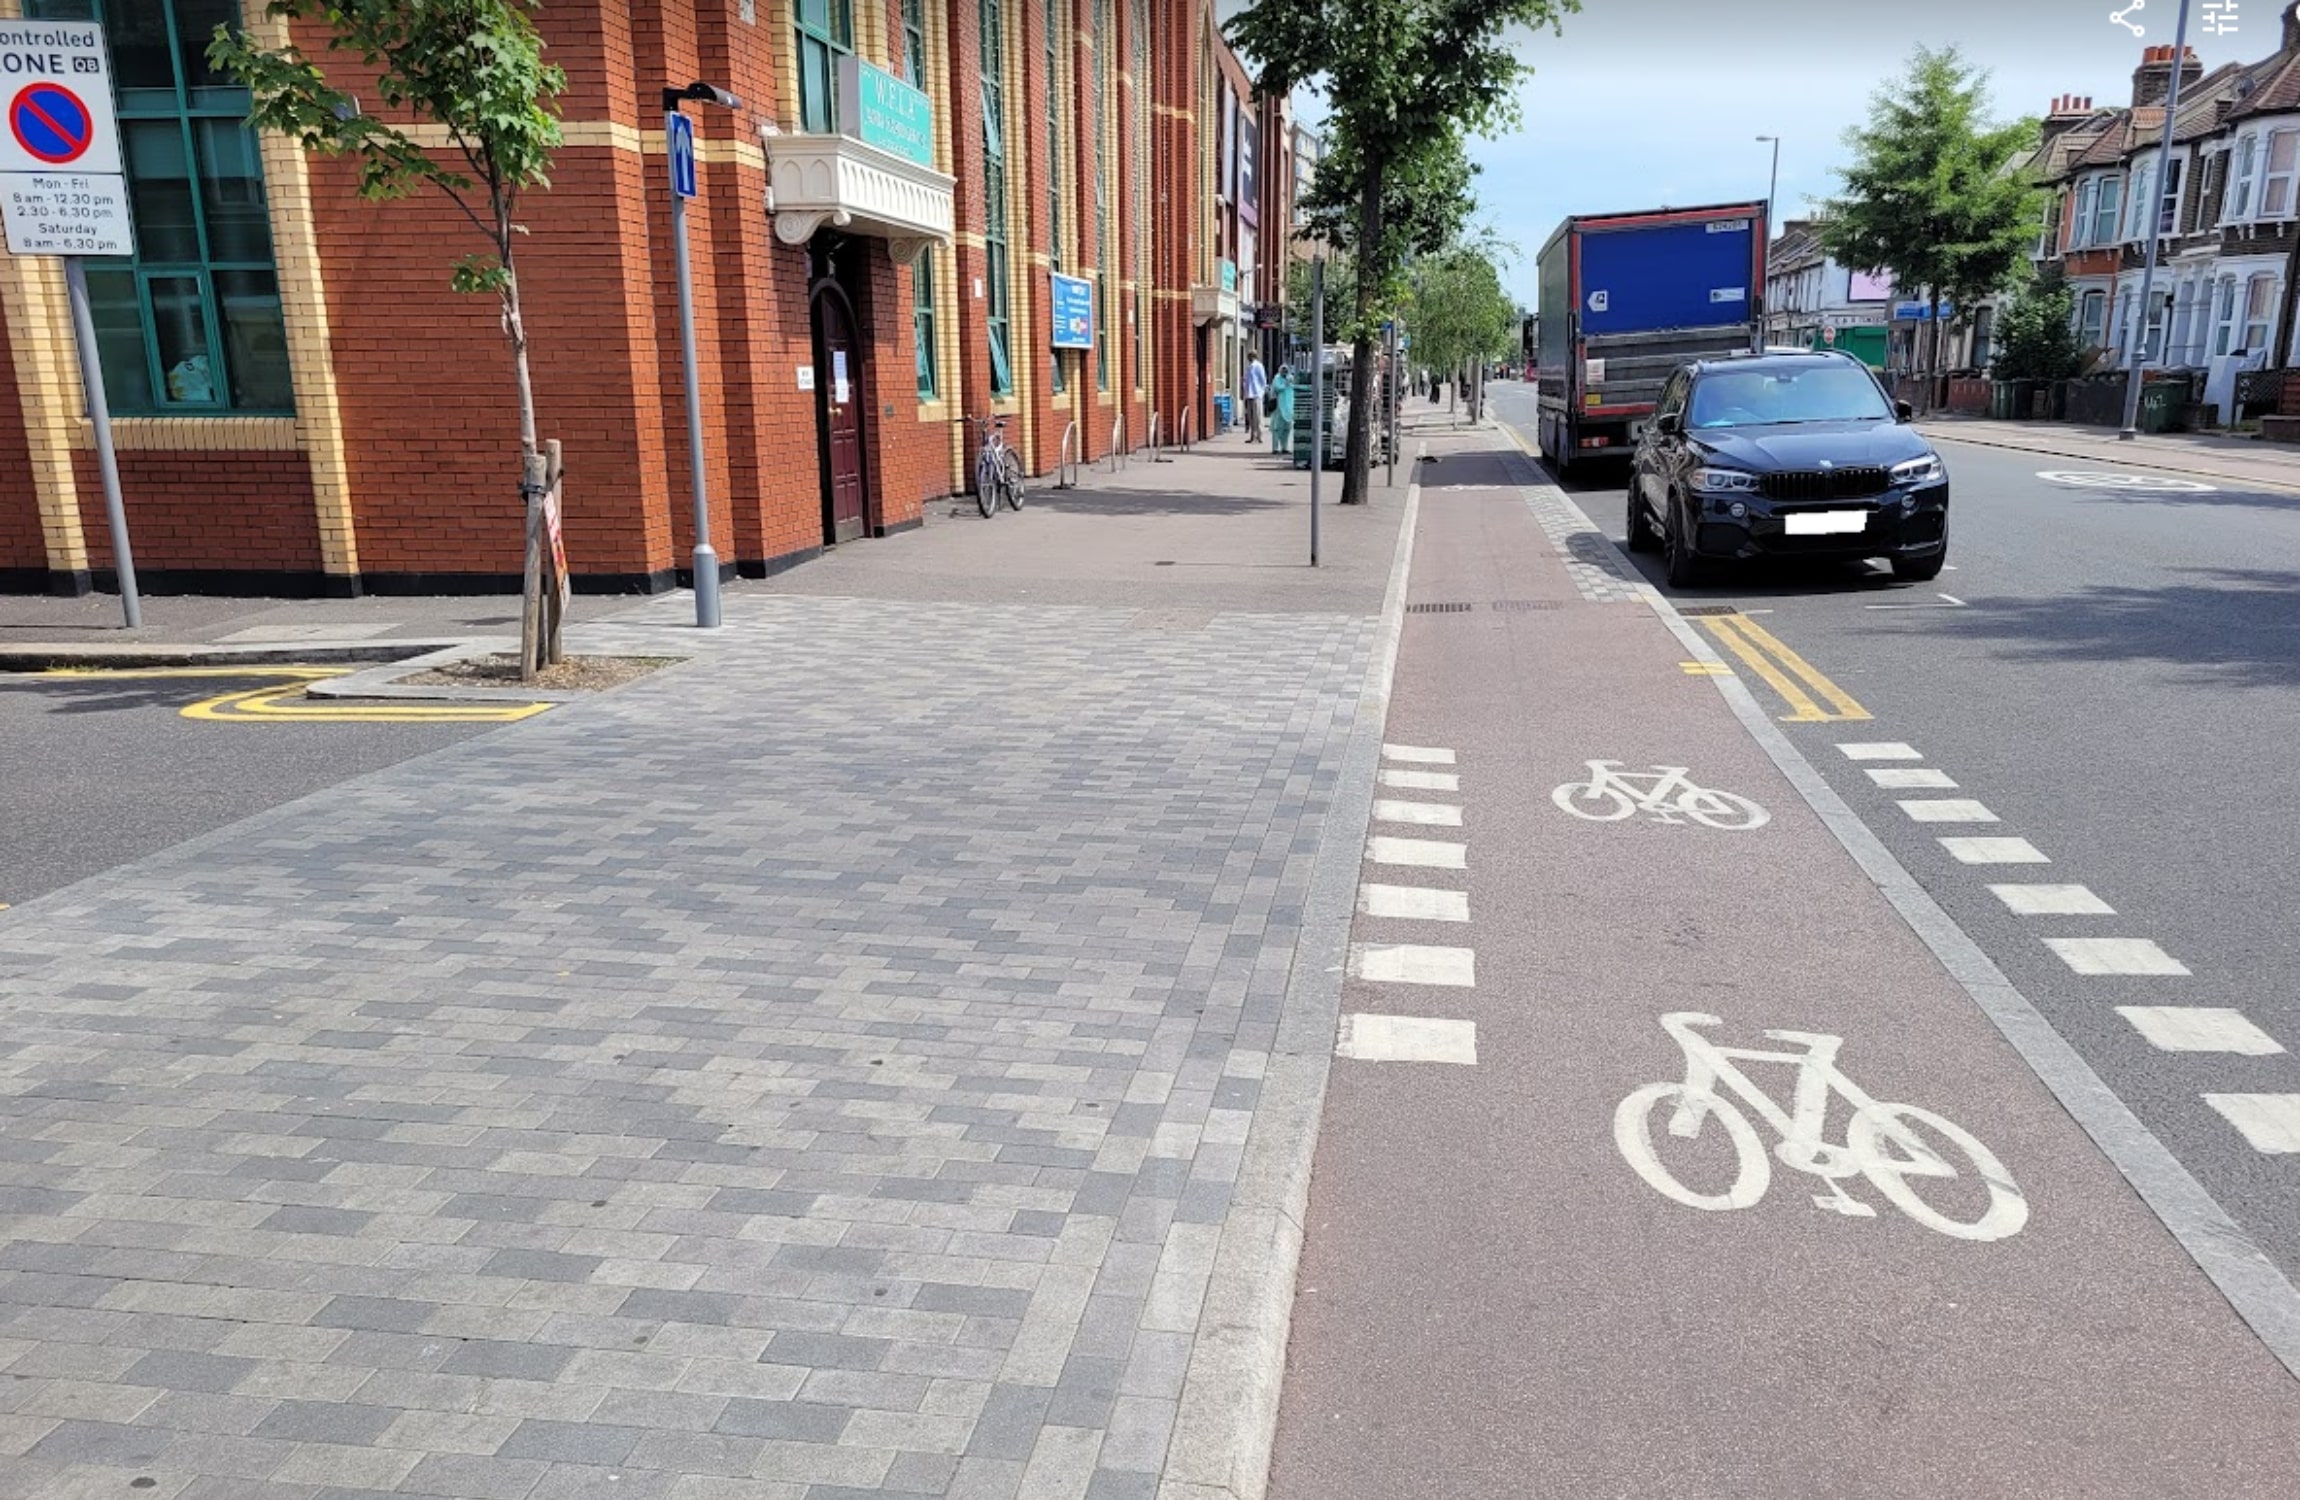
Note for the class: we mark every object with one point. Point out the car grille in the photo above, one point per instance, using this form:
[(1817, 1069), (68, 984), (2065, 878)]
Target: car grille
[(1826, 484)]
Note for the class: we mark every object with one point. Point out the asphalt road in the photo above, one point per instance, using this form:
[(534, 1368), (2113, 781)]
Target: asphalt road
[(2114, 673), (1525, 1272), (102, 770)]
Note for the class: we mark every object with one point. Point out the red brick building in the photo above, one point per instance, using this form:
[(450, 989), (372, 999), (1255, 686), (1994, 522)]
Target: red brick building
[(302, 406)]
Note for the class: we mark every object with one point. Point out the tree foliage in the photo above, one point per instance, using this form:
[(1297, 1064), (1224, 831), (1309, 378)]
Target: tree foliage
[(1410, 82), (1458, 310), (1938, 194), (2036, 340)]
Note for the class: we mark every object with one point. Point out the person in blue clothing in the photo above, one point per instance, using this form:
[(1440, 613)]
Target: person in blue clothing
[(1257, 387), (1282, 420)]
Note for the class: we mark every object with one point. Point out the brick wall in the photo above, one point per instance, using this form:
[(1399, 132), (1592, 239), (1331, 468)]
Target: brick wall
[(234, 516), (23, 548)]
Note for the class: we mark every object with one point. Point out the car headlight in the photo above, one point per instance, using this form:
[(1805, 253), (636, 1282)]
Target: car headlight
[(1724, 481), (1926, 470)]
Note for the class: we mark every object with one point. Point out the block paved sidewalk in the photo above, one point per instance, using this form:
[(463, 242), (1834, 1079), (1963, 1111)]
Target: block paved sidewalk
[(2207, 456), (824, 1068)]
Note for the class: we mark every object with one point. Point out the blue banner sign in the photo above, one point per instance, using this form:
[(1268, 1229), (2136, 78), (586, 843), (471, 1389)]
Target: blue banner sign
[(1073, 312)]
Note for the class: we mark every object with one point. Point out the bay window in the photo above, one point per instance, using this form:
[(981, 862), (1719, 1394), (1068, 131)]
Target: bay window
[(2276, 183)]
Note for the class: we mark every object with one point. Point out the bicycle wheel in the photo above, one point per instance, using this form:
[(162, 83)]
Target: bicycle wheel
[(1010, 472), (986, 484), (1594, 800), (1880, 1130), (1721, 810), (1633, 1134)]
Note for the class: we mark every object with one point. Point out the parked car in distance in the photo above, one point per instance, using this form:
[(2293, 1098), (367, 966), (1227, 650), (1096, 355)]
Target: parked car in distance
[(1785, 455)]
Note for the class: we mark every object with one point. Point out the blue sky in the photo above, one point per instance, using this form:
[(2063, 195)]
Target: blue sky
[(1646, 102)]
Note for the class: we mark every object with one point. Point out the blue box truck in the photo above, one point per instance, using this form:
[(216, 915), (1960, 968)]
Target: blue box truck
[(1625, 299)]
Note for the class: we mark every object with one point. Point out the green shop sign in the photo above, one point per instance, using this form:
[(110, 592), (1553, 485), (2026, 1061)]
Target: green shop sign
[(879, 109)]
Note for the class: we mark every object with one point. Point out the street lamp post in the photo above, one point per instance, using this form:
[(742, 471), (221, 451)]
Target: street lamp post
[(1772, 184), (677, 130), (2152, 222)]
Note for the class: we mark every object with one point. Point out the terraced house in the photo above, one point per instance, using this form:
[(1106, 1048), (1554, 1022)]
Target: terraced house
[(2224, 206), (304, 406)]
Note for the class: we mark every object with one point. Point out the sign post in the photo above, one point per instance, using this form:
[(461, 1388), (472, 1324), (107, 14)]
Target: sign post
[(679, 142), (63, 192), (1317, 393)]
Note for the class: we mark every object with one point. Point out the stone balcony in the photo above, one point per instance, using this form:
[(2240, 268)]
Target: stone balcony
[(816, 182)]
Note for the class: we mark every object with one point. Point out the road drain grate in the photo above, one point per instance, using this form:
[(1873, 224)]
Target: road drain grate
[(1517, 605), (1439, 609), (1709, 609)]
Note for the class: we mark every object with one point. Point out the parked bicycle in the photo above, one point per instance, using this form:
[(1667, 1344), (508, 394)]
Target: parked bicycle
[(997, 468)]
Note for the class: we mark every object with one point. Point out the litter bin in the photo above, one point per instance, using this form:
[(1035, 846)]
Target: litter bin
[(2160, 403), (1222, 409)]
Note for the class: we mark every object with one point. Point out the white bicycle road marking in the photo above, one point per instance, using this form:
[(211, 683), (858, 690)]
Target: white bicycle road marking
[(1611, 794), (2114, 480), (1882, 1141)]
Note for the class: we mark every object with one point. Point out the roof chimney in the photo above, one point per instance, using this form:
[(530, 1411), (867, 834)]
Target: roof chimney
[(2292, 29), (2068, 111), (2152, 80)]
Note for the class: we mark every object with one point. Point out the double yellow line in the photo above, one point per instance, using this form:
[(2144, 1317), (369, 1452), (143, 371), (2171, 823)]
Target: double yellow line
[(281, 699), (1799, 683)]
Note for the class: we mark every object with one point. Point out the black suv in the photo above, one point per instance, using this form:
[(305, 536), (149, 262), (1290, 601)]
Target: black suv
[(1786, 455)]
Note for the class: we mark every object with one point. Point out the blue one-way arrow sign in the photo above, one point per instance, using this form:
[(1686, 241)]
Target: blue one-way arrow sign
[(682, 140)]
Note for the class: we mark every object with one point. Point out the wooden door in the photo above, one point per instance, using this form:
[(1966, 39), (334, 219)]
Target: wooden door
[(839, 386)]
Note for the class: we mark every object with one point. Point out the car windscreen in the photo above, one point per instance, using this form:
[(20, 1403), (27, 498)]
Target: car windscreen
[(1786, 393)]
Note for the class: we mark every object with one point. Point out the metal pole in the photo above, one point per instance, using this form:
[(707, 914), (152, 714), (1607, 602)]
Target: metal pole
[(1772, 185), (100, 416), (2151, 222), (1390, 388), (706, 560), (1317, 393)]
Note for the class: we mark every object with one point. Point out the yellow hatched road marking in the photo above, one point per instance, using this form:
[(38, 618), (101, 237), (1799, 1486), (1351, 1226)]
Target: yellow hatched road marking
[(273, 703), (1785, 672), (1705, 669)]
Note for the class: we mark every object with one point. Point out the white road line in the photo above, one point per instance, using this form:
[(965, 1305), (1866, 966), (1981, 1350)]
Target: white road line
[(1429, 814), (1414, 902), (1422, 781), (1880, 750), (1427, 854), (1414, 963), (2270, 1122), (1953, 599), (1995, 852), (2115, 956), (2052, 901), (1947, 810), (2199, 1028), (1909, 778), (1372, 1038), (1418, 754)]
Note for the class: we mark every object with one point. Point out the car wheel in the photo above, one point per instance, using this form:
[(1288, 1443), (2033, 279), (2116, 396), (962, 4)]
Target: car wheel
[(1683, 567), (1641, 535), (1920, 569)]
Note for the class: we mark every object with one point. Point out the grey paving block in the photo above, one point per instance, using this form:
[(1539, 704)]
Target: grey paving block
[(325, 1422), (504, 1360), (1010, 1420), (792, 1421), (175, 1370), (570, 1442)]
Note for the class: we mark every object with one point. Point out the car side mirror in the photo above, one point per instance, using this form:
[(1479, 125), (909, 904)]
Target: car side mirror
[(1669, 424), (1904, 411)]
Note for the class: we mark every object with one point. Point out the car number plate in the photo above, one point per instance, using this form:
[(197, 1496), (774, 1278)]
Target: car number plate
[(1825, 522)]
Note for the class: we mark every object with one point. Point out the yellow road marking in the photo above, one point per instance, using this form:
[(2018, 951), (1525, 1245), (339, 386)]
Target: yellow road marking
[(281, 700), (1705, 669), (1785, 672)]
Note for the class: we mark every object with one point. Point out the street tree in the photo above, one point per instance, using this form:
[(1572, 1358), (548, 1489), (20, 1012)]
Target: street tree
[(1458, 310), (1938, 194), (474, 68), (2036, 340), (1409, 82)]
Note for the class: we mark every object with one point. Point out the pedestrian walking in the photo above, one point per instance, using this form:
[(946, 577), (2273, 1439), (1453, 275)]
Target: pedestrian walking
[(1257, 388), (1282, 419)]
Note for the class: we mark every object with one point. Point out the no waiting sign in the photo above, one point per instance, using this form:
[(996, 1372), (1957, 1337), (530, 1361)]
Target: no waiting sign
[(56, 88)]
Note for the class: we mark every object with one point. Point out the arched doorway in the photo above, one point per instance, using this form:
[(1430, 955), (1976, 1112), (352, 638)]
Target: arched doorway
[(840, 405)]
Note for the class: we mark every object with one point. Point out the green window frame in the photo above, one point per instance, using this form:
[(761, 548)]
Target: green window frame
[(826, 33), (922, 322), (191, 325), (998, 311)]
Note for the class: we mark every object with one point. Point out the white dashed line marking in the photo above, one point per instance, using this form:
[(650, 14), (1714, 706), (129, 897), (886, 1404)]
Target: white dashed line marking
[(1947, 810), (1910, 778), (2270, 1122), (1880, 750), (1427, 854), (1414, 902), (1372, 1038), (1428, 814), (1422, 781), (2115, 956), (2199, 1028), (2052, 901), (1413, 963), (1995, 852), (1418, 755)]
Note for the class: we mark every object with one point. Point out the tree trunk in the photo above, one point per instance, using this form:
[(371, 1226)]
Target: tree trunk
[(1358, 454), (531, 477)]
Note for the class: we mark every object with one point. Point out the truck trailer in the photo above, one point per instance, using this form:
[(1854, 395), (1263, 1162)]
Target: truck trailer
[(1625, 299)]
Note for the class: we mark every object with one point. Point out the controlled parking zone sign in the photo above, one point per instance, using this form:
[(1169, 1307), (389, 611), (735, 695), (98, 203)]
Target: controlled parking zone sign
[(58, 90)]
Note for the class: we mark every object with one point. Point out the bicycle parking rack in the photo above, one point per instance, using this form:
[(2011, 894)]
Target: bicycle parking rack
[(1117, 441), (1066, 467), (1189, 427), (1157, 440)]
